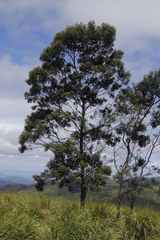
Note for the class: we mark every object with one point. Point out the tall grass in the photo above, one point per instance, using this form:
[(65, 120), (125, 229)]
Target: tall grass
[(25, 216)]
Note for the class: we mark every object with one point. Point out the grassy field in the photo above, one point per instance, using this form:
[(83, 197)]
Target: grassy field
[(37, 216), (148, 198)]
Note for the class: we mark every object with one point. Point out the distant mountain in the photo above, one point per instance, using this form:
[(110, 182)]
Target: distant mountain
[(15, 179), (21, 173), (3, 182)]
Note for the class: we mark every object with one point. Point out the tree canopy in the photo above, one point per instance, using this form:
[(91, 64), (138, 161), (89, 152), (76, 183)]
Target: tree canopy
[(139, 131), (71, 97)]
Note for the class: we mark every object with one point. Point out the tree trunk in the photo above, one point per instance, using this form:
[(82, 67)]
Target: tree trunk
[(83, 184), (119, 198), (155, 207), (132, 201), (83, 193)]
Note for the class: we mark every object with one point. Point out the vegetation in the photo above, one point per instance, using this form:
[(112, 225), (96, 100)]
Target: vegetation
[(139, 132), (71, 114), (81, 104), (25, 216), (109, 193), (13, 187)]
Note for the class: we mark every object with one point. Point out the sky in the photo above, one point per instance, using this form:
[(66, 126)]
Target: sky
[(27, 27)]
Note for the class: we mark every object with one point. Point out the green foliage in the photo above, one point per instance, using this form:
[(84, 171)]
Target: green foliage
[(108, 193), (41, 217), (138, 113), (13, 187), (71, 115)]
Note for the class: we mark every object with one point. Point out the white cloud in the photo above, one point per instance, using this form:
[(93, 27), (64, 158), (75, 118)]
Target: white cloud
[(12, 78), (13, 112), (133, 19), (30, 15), (10, 158), (29, 26)]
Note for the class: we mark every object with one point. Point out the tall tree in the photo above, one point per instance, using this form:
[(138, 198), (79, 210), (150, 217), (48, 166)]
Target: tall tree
[(139, 120), (71, 113)]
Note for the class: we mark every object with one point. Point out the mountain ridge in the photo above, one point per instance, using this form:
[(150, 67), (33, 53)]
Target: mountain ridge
[(4, 180)]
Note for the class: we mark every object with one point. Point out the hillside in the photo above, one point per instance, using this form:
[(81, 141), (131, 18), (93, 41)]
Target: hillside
[(109, 193), (25, 216), (13, 187)]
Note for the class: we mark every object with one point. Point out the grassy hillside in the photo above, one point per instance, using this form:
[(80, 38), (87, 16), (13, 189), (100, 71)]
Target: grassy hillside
[(25, 216), (109, 193), (13, 187)]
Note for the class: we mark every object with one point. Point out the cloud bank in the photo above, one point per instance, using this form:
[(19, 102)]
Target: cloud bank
[(27, 27)]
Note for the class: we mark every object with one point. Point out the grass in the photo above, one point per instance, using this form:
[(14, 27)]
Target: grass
[(28, 216), (109, 193)]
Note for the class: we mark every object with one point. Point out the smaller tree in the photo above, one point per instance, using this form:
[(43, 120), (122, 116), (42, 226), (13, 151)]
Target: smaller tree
[(137, 179), (138, 129)]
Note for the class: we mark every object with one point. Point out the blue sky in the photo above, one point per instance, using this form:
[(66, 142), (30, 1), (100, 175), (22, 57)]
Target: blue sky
[(28, 26)]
